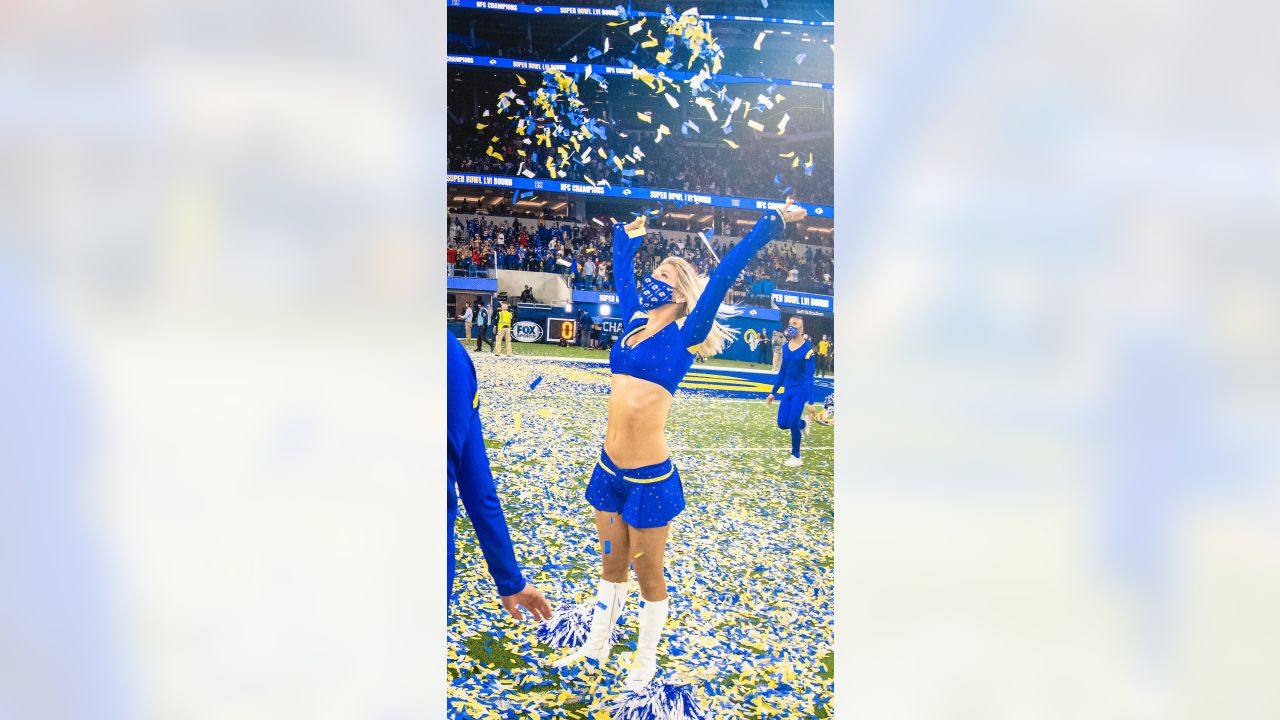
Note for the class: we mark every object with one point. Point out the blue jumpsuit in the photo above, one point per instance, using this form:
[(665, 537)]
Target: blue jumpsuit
[(795, 382), (469, 472)]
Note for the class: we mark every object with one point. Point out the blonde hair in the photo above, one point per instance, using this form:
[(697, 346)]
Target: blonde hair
[(690, 284)]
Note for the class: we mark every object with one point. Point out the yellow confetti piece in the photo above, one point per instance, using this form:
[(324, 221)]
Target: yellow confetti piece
[(516, 417), (755, 126), (759, 39), (663, 57), (493, 139), (795, 163), (778, 98), (481, 126), (645, 117), (522, 80), (787, 154), (602, 154), (602, 715), (731, 143)]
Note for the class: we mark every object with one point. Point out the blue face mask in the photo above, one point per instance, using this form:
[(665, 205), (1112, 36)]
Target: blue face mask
[(654, 293), (791, 332)]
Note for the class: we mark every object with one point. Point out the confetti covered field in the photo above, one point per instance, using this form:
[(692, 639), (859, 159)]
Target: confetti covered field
[(750, 562)]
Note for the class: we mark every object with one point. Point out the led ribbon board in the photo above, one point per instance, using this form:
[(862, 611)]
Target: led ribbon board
[(633, 193), (613, 12)]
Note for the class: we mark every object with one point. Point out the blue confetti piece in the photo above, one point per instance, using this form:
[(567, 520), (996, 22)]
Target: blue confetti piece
[(728, 128), (765, 3), (593, 53), (535, 382)]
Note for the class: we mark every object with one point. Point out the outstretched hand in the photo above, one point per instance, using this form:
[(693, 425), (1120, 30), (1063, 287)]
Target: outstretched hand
[(792, 212), (532, 600), (637, 224)]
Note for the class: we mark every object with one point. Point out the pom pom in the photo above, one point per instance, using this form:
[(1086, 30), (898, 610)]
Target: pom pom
[(569, 628), (657, 701)]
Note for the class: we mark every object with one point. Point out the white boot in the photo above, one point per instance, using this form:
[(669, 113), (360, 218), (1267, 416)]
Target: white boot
[(610, 599), (644, 664)]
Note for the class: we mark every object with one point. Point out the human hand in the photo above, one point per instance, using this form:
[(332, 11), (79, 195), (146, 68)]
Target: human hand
[(531, 599), (769, 400), (791, 212)]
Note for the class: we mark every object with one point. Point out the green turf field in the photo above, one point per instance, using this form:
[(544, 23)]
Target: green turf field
[(750, 561)]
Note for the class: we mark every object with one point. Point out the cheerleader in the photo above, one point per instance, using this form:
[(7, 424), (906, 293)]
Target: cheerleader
[(634, 487)]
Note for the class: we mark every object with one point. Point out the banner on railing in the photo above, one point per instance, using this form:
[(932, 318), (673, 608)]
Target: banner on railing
[(815, 304), (633, 193)]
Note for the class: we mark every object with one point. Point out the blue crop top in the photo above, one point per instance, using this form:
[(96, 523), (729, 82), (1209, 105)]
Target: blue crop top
[(665, 357)]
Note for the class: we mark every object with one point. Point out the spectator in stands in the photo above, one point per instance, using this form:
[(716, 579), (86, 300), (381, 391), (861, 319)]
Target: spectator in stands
[(452, 258), (526, 295), (777, 349), (765, 348)]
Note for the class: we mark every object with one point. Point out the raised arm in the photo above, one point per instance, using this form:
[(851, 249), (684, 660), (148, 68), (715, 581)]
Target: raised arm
[(626, 241), (769, 227)]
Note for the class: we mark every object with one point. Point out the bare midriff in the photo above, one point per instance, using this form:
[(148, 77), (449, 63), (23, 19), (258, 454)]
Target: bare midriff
[(637, 416)]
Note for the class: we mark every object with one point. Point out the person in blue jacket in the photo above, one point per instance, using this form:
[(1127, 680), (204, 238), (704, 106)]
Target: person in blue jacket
[(795, 384), (469, 472)]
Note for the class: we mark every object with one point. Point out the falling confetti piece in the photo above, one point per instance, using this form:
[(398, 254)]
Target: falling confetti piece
[(800, 58), (671, 100), (645, 117), (731, 144), (481, 126), (759, 39), (755, 126), (636, 28), (782, 125)]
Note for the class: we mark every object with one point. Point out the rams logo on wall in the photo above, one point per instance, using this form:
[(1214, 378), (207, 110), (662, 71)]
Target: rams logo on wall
[(751, 338)]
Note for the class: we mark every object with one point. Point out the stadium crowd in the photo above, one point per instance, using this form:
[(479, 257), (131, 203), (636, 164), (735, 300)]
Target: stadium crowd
[(755, 170), (583, 253)]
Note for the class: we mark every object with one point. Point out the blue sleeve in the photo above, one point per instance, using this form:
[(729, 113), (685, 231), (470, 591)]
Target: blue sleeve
[(698, 323), (810, 369), (782, 369), (475, 480), (624, 270)]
